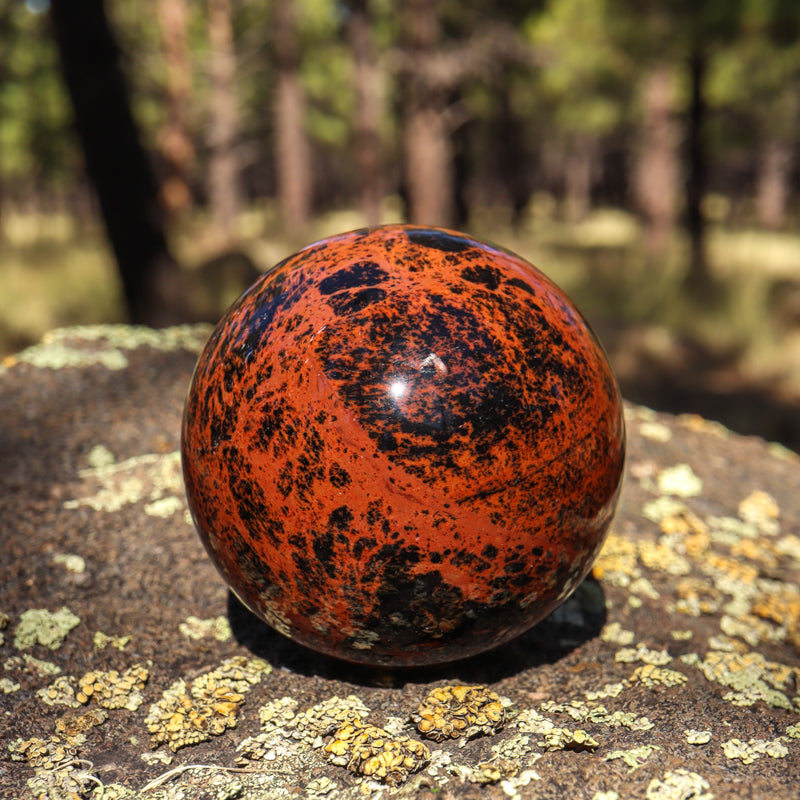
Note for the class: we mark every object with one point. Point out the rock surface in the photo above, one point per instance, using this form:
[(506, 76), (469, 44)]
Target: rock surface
[(674, 672)]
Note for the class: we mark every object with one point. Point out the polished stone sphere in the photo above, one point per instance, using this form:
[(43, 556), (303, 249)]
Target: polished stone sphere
[(403, 446)]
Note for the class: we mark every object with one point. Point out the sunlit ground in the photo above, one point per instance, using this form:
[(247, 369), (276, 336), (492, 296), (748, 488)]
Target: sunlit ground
[(748, 339)]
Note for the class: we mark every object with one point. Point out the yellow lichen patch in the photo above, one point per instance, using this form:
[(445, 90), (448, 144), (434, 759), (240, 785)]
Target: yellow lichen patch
[(629, 655), (40, 626), (651, 676), (750, 629), (71, 562), (762, 510), (564, 739), (750, 676), (781, 605), (182, 718), (277, 714), (635, 757), (217, 628), (697, 737), (61, 692), (662, 558), (731, 568), (375, 753), (102, 640), (655, 431), (114, 689), (71, 725), (617, 562), (696, 597), (679, 784), (748, 752), (679, 481), (459, 712), (311, 725), (760, 551), (187, 715), (699, 424), (613, 633)]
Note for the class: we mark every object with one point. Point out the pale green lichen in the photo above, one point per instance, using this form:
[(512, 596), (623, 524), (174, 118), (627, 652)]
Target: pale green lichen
[(748, 752), (655, 431), (8, 686), (697, 737), (105, 345), (679, 481), (679, 784), (40, 626), (217, 628), (635, 757), (614, 633), (152, 477), (71, 562), (652, 676), (565, 739), (629, 655)]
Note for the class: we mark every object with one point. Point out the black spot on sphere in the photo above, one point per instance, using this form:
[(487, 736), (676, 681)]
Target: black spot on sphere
[(338, 476), (340, 518), (486, 276), (352, 302), (520, 284), (364, 273), (438, 240)]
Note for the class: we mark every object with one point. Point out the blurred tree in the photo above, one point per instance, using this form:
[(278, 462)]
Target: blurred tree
[(657, 162), (116, 162), (174, 141), (366, 127), (292, 149), (585, 76), (224, 189), (427, 149)]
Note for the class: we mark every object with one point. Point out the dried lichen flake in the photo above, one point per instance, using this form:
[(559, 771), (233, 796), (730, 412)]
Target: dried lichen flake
[(459, 712)]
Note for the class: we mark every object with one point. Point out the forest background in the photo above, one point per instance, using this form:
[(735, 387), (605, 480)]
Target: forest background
[(643, 154)]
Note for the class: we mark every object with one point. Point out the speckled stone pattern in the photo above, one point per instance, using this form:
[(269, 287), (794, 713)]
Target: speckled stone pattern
[(403, 446)]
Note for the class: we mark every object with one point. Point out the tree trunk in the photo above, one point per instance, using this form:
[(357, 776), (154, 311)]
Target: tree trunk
[(774, 175), (698, 278), (292, 149), (366, 80), (224, 188), (426, 141), (116, 162), (174, 141), (656, 173), (578, 177)]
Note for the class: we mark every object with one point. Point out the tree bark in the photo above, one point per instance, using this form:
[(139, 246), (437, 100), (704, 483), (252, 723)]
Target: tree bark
[(116, 162), (774, 183), (174, 141), (426, 139), (578, 171), (224, 189), (292, 149), (367, 140), (698, 278), (656, 173)]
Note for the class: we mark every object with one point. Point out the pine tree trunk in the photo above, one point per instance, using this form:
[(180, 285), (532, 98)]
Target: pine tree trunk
[(223, 170), (578, 178), (174, 141), (774, 176), (366, 80), (426, 141), (116, 163), (656, 177), (292, 149), (698, 278)]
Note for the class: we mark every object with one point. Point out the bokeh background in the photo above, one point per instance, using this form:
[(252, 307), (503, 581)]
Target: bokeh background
[(156, 155)]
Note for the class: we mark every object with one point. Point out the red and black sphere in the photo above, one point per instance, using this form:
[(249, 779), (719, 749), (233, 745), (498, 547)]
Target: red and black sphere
[(402, 446)]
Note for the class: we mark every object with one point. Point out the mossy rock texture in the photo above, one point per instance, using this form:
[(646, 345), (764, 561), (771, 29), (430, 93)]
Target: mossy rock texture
[(129, 671)]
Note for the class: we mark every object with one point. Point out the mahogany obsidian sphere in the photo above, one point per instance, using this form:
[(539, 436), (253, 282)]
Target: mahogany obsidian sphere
[(402, 446)]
